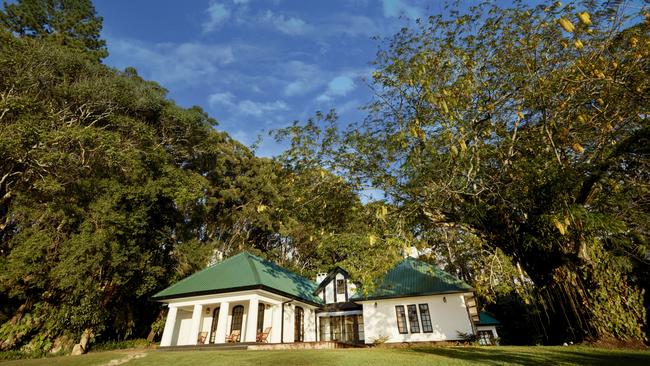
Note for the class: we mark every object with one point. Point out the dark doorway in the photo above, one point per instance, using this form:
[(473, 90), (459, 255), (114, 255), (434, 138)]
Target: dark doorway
[(299, 325), (213, 328)]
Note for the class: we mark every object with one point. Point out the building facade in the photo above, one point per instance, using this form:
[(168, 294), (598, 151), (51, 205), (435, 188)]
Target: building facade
[(248, 299)]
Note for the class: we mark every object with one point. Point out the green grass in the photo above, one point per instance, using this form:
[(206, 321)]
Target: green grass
[(575, 355)]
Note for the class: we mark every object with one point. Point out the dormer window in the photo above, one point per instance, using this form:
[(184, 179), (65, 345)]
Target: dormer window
[(340, 287)]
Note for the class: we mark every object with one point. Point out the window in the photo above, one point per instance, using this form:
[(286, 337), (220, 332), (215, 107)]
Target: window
[(340, 287), (426, 318), (260, 318), (485, 337), (413, 319), (237, 317), (401, 319)]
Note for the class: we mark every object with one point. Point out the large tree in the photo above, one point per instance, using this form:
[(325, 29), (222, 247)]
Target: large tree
[(72, 23), (524, 127)]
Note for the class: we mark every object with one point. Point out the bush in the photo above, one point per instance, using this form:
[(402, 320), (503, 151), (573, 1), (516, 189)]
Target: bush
[(113, 345)]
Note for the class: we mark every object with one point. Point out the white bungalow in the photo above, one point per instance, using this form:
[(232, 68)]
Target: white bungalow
[(248, 299)]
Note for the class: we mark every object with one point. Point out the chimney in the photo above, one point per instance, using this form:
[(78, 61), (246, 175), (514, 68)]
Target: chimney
[(320, 277)]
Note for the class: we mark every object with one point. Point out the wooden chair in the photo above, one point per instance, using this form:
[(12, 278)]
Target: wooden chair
[(263, 337), (202, 337), (234, 336)]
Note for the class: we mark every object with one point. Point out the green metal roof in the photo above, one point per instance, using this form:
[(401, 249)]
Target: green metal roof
[(243, 271), (487, 319), (412, 277)]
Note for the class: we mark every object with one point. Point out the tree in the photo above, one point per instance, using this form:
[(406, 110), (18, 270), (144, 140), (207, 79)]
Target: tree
[(525, 127), (72, 23)]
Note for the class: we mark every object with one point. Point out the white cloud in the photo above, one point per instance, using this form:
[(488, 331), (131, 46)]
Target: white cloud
[(337, 87), (303, 77), (292, 26), (171, 63), (396, 8), (247, 106), (217, 15)]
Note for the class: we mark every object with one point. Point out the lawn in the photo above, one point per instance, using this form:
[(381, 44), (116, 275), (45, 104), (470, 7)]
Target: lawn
[(575, 355)]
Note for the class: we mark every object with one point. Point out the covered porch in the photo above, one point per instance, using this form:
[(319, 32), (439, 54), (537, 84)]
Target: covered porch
[(243, 317)]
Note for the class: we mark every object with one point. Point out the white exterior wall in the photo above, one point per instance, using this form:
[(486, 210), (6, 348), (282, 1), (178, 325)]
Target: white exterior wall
[(182, 328), (447, 318), (289, 319)]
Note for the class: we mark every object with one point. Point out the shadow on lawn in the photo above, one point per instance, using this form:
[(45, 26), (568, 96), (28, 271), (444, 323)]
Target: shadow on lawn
[(535, 356)]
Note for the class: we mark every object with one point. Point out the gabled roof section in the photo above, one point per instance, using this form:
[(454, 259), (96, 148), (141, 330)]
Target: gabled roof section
[(330, 276), (412, 277), (487, 319), (243, 271)]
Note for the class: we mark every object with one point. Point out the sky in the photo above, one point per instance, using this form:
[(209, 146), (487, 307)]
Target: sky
[(257, 65)]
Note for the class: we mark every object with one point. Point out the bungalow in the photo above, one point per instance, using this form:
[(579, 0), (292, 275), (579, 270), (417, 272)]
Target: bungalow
[(248, 299)]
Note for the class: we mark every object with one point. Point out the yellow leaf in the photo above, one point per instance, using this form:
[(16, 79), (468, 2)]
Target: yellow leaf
[(261, 208), (311, 238), (560, 226), (520, 115), (600, 101), (463, 146), (584, 18), (599, 74), (444, 107), (566, 25), (578, 44), (322, 174), (634, 41), (578, 148), (372, 239)]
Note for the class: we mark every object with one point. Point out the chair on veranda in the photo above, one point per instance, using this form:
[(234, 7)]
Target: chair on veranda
[(202, 337), (234, 336), (263, 336)]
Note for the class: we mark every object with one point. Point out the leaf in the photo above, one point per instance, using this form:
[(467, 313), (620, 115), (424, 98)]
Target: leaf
[(578, 148), (584, 18), (560, 226), (566, 25), (261, 208), (372, 239), (578, 44)]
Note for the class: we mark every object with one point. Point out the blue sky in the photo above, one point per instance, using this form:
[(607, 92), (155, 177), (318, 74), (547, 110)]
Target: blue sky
[(257, 65)]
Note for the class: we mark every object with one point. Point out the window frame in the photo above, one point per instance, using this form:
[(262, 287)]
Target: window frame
[(400, 314), (413, 319), (425, 322), (340, 287)]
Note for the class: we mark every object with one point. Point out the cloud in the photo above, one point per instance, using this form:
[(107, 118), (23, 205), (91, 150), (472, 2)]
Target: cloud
[(217, 15), (396, 8), (247, 106), (304, 78), (337, 87), (171, 63), (291, 26)]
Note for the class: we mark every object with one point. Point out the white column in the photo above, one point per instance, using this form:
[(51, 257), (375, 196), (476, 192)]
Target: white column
[(276, 324), (170, 324), (251, 320), (222, 323), (197, 315)]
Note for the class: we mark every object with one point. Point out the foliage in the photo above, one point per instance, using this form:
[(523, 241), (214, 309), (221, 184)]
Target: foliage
[(519, 134), (113, 345), (72, 23)]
